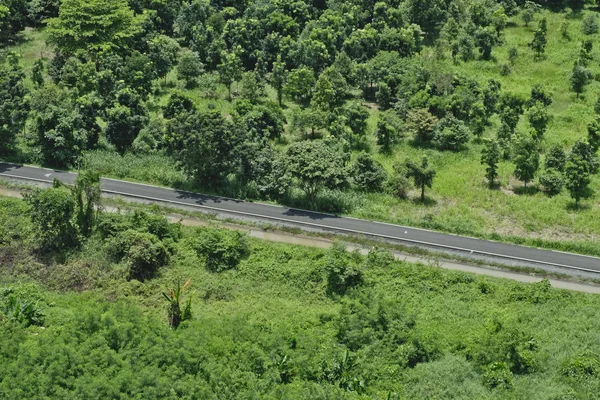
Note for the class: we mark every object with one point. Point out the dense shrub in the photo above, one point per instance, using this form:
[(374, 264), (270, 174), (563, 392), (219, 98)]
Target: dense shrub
[(451, 134), (582, 366), (590, 25), (367, 173), (341, 269), (143, 253), (221, 249), (20, 310), (552, 181), (498, 375)]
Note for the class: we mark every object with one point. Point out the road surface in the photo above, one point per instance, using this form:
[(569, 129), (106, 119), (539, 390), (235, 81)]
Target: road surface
[(273, 213)]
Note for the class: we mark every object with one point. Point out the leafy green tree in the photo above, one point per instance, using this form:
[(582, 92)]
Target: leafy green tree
[(252, 87), (220, 249), (490, 157), (539, 94), (451, 133), (53, 216), (179, 310), (58, 128), (324, 95), (367, 173), (499, 20), (315, 165), (422, 124), (278, 78), (265, 121), (552, 181), (178, 103), (590, 25), (87, 193), (421, 174), (308, 120), (556, 159), (526, 159), (585, 151), (577, 178), (485, 41), (14, 103), (138, 74), (125, 120), (513, 54), (538, 120), (478, 119), (593, 134), (491, 96), (564, 30), (189, 69), (230, 70), (585, 52), (385, 133), (205, 145), (538, 44), (384, 95), (529, 10), (299, 85), (579, 78), (37, 73), (109, 25), (163, 53)]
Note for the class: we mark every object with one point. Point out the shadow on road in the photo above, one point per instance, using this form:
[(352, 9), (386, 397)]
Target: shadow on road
[(204, 199)]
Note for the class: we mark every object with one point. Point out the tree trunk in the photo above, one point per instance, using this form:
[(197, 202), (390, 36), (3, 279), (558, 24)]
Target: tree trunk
[(423, 193)]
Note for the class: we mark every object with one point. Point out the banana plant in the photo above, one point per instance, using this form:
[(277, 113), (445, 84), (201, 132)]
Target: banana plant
[(179, 310)]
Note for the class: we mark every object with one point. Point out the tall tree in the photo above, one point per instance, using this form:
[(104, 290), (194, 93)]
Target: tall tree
[(278, 78), (14, 104), (126, 119), (93, 25), (490, 156), (299, 85), (163, 53), (421, 174), (577, 178), (230, 70), (315, 165), (526, 159)]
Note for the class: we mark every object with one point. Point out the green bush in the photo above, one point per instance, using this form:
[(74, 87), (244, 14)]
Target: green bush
[(590, 25), (498, 375), (20, 310), (143, 253), (221, 249), (582, 366), (451, 134), (552, 181), (341, 269)]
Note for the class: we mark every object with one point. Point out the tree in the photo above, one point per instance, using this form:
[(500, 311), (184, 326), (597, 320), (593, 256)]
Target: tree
[(529, 10), (384, 95), (451, 133), (126, 119), (179, 310), (577, 178), (299, 85), (499, 20), (37, 73), (526, 159), (555, 159), (189, 68), (539, 94), (585, 52), (367, 173), (593, 131), (143, 253), (422, 124), (491, 96), (315, 165), (230, 70), (205, 146), (53, 216), (552, 181), (421, 174), (14, 103), (538, 119), (386, 135), (93, 25), (490, 156), (278, 78), (87, 193), (513, 54), (308, 120), (324, 95), (178, 103), (585, 152), (163, 53), (252, 87), (57, 126), (590, 25), (564, 30), (579, 78), (538, 44), (485, 41)]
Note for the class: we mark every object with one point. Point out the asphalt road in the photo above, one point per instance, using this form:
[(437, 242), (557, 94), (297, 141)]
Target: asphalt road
[(318, 220)]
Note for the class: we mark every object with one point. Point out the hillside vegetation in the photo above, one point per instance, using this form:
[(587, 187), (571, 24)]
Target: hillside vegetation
[(135, 307)]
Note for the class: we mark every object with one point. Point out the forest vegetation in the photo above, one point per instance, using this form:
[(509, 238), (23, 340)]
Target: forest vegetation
[(473, 117)]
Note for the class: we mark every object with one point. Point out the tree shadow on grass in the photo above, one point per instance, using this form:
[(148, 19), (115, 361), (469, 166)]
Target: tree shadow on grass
[(573, 206), (527, 190), (429, 202)]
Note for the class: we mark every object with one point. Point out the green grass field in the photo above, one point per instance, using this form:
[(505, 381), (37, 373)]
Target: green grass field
[(104, 335), (460, 201)]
